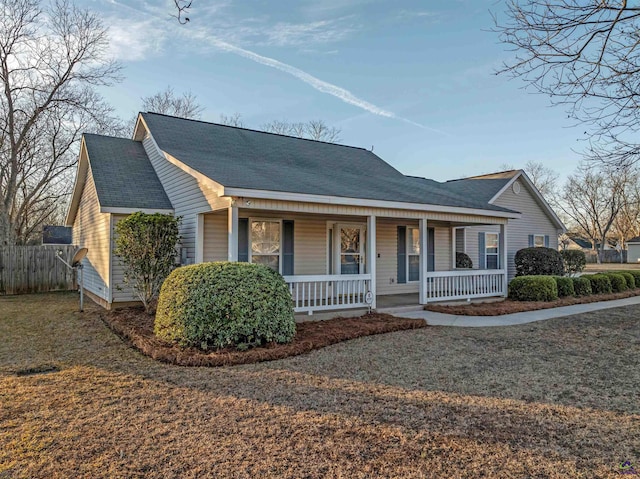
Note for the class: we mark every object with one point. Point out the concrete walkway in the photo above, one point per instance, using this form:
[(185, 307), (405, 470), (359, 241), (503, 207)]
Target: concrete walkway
[(441, 319)]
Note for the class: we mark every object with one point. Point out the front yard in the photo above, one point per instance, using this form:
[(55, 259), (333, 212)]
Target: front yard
[(551, 399)]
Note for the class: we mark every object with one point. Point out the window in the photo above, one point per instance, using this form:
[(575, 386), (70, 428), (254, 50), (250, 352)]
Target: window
[(265, 243), (538, 241), (491, 250), (413, 253)]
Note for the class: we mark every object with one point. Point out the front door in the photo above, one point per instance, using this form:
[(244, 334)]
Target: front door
[(351, 249)]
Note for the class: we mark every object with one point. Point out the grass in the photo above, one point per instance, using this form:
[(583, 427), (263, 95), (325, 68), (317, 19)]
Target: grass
[(552, 399)]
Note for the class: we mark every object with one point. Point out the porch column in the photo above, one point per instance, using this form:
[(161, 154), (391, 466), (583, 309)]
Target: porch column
[(232, 232), (199, 238), (371, 255), (502, 247), (423, 260)]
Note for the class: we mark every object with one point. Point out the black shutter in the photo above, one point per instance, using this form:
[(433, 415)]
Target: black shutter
[(402, 254), (431, 249), (287, 247), (482, 259), (243, 240)]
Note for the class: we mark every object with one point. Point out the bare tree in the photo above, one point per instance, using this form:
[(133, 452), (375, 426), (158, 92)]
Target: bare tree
[(234, 119), (592, 199), (182, 8), (168, 103), (51, 61), (312, 129), (543, 177), (626, 225), (585, 55)]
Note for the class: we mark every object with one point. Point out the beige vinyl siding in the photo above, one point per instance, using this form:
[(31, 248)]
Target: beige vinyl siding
[(472, 241), (387, 262), (121, 291), (534, 221), (215, 237), (442, 249), (187, 195), (91, 231), (362, 211)]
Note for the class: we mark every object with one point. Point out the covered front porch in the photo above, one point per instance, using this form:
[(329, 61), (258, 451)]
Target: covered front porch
[(336, 261)]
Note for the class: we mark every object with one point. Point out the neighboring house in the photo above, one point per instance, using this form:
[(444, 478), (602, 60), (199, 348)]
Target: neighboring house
[(57, 234), (633, 250), (342, 226)]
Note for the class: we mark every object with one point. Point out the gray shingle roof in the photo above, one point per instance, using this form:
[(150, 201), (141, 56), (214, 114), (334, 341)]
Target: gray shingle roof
[(242, 158), (482, 187), (123, 174)]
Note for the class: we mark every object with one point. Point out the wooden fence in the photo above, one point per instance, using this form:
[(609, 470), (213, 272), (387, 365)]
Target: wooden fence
[(36, 269)]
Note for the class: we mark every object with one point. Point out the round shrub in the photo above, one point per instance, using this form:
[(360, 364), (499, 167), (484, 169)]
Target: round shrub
[(533, 288), (574, 261), (628, 277), (565, 286), (215, 305), (618, 283), (600, 283), (538, 261), (463, 261), (581, 286)]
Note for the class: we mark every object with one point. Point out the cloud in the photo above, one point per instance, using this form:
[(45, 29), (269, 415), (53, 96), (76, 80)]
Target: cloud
[(325, 87), (134, 39)]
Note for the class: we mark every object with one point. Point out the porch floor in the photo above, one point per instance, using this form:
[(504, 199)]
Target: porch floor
[(396, 300)]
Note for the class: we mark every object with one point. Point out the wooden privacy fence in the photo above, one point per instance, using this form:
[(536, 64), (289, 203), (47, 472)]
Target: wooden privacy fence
[(35, 269)]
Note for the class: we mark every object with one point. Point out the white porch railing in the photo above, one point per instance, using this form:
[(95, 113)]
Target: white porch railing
[(326, 292), (464, 284)]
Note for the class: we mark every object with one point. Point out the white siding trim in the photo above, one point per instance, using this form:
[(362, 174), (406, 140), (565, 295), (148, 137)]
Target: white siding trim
[(232, 231)]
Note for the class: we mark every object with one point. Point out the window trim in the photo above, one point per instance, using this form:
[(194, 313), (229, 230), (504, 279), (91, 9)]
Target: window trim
[(496, 254), (271, 220), (407, 254), (534, 240)]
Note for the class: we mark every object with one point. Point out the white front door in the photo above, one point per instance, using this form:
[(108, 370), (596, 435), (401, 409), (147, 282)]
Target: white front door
[(350, 248)]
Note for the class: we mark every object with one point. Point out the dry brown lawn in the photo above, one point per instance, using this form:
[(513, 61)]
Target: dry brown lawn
[(553, 399)]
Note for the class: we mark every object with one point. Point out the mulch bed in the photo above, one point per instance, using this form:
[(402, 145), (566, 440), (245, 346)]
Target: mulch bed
[(509, 306), (136, 327)]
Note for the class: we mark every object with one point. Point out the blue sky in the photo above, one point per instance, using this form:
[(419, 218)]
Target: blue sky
[(413, 79)]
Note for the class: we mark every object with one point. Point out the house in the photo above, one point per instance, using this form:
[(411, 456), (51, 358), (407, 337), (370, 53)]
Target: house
[(343, 227), (633, 250)]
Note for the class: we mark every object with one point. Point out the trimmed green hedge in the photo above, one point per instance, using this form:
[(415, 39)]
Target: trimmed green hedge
[(574, 261), (533, 288), (565, 286), (636, 276), (618, 283), (600, 283), (581, 286), (538, 261), (631, 281), (215, 305)]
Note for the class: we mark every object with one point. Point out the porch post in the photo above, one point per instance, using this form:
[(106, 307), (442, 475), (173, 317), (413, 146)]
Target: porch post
[(423, 260), (232, 232), (453, 248), (504, 257), (371, 255), (199, 238)]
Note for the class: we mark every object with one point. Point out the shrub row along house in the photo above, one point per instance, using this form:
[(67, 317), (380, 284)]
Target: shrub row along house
[(343, 227)]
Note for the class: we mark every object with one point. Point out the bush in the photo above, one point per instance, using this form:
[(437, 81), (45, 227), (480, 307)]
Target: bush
[(565, 286), (538, 261), (215, 305), (463, 261), (629, 278), (581, 286), (618, 283), (574, 261), (636, 275), (146, 245), (533, 288), (600, 283)]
